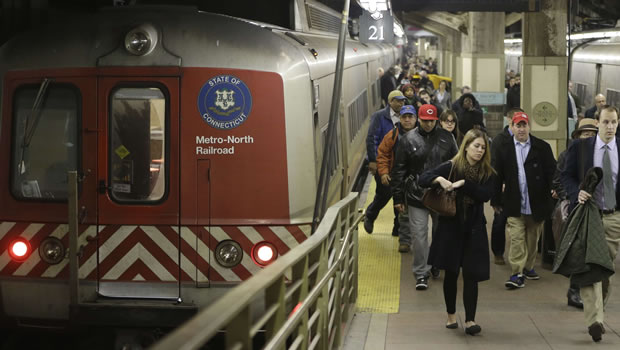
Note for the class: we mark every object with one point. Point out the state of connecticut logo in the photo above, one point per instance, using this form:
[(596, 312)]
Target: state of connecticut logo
[(224, 102)]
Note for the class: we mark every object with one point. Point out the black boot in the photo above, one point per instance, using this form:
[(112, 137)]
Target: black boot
[(574, 299)]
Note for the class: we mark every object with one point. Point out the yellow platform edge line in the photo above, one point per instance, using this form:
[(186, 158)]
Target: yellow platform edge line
[(379, 263)]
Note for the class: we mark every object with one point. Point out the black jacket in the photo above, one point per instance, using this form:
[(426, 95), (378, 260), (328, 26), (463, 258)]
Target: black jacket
[(461, 240), (469, 118), (418, 151), (583, 253), (513, 97), (579, 159), (456, 105), (539, 168)]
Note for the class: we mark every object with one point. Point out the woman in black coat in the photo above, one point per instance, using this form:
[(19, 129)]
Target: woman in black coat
[(461, 241)]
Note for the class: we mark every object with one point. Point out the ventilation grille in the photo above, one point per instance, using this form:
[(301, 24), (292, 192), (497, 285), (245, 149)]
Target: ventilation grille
[(358, 112), (322, 18)]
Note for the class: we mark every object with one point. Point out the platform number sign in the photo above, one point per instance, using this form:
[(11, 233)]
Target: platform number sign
[(377, 27)]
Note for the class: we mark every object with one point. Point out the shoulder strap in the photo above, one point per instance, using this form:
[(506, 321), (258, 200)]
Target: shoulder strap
[(451, 168), (394, 132)]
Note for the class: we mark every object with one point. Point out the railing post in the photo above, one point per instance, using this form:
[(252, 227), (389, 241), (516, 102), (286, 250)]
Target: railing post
[(337, 286), (300, 272), (73, 238), (323, 302), (275, 294), (238, 331)]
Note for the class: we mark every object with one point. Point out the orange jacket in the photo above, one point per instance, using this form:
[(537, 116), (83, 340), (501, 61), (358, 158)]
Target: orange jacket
[(385, 152)]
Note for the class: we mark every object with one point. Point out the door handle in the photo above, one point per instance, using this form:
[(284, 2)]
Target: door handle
[(102, 188), (82, 215)]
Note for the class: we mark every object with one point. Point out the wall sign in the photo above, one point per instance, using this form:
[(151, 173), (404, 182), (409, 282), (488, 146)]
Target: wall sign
[(545, 113), (377, 27)]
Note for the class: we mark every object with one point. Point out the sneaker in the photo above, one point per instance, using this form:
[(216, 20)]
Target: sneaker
[(404, 248), (421, 283), (368, 225), (515, 281), (499, 260), (435, 272), (531, 274)]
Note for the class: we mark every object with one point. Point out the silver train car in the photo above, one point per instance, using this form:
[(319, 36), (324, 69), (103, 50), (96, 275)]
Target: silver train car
[(198, 141), (595, 69)]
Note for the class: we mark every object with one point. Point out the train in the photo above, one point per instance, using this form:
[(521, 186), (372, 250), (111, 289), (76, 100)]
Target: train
[(197, 139), (594, 69), (594, 66)]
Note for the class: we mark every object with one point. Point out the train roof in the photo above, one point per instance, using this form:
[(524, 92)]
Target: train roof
[(186, 38), (604, 53)]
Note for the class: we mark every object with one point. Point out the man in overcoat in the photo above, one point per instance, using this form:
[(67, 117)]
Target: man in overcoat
[(597, 151), (525, 166)]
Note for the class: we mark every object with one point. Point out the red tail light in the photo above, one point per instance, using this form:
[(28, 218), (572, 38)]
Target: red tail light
[(20, 249), (264, 253)]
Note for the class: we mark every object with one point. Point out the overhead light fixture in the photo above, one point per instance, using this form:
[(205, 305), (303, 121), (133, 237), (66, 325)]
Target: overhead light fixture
[(398, 30), (605, 34), (513, 41), (594, 35), (373, 6)]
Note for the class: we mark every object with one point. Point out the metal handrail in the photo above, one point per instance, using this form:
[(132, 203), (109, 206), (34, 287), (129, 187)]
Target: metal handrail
[(320, 288)]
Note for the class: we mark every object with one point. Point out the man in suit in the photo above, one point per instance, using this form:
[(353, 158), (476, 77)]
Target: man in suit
[(597, 151), (525, 167), (599, 102)]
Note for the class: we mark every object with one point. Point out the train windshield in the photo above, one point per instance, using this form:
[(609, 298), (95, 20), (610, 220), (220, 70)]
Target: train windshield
[(45, 140)]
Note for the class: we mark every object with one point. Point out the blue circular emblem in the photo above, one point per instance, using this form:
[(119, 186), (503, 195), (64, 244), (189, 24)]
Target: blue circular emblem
[(224, 102)]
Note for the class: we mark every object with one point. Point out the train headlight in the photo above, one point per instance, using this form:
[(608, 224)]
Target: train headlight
[(51, 250), (228, 253), (264, 253), (19, 249), (142, 40)]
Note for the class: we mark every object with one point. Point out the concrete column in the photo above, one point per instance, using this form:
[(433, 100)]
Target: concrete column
[(483, 52), (482, 62), (544, 72), (421, 47)]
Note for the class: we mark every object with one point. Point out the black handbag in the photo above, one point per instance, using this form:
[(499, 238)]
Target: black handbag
[(439, 200)]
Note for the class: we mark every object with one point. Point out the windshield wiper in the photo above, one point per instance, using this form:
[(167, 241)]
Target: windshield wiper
[(32, 121)]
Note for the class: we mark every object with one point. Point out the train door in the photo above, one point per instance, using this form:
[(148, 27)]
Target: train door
[(138, 193)]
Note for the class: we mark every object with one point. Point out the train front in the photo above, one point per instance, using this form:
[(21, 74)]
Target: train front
[(185, 150)]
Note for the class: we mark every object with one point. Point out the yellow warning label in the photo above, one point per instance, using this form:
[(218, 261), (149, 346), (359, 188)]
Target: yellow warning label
[(122, 152)]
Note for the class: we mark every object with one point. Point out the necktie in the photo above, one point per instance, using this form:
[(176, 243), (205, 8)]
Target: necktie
[(609, 192)]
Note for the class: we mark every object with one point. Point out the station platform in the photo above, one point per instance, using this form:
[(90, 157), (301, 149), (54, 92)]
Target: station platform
[(392, 315)]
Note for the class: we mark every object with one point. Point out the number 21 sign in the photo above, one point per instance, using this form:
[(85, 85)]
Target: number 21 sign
[(377, 27)]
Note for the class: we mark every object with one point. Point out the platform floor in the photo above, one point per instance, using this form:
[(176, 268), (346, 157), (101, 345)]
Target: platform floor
[(534, 317)]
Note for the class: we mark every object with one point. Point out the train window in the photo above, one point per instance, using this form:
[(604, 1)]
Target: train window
[(613, 97), (137, 145), (45, 140), (581, 91)]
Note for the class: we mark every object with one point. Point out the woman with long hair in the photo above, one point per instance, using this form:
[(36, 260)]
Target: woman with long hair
[(450, 122), (460, 242), (441, 96)]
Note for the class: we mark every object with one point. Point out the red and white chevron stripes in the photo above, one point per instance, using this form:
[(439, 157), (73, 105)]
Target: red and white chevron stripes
[(146, 253)]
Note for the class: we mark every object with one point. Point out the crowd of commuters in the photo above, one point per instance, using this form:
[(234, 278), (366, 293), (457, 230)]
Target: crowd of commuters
[(423, 139)]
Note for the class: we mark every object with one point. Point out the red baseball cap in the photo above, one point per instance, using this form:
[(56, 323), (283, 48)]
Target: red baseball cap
[(427, 112), (520, 117)]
